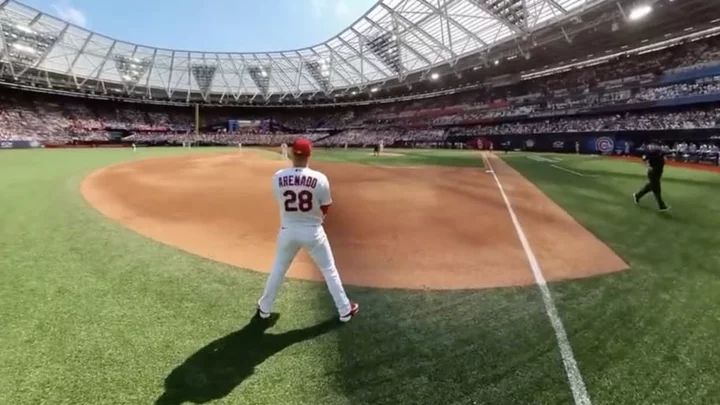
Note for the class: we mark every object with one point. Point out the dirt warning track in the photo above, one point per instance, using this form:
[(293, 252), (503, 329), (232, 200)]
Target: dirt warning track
[(437, 228)]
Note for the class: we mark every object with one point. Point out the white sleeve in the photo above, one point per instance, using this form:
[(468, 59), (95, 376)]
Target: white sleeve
[(275, 186), (324, 195)]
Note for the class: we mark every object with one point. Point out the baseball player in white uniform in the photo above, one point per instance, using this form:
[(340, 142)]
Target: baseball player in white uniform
[(284, 150), (303, 196)]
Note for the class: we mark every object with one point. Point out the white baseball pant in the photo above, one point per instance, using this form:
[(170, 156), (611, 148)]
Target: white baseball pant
[(314, 240)]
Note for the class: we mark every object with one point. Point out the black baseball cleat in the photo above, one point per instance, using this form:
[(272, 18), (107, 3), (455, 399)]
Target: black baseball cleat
[(636, 199)]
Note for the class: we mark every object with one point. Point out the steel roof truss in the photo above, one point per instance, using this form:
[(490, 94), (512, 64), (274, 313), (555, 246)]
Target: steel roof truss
[(69, 70), (413, 25), (46, 53), (481, 5), (452, 21)]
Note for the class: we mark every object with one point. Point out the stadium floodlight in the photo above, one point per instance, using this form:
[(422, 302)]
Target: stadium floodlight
[(434, 76), (24, 48), (353, 93), (639, 12), (24, 29), (375, 89), (497, 62), (263, 73)]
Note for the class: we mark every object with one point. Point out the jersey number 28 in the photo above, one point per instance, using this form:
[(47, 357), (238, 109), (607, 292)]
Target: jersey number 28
[(302, 201)]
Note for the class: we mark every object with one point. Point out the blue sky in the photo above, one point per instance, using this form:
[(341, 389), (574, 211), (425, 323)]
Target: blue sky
[(211, 25)]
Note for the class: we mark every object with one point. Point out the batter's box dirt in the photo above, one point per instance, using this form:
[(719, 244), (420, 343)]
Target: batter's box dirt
[(434, 227)]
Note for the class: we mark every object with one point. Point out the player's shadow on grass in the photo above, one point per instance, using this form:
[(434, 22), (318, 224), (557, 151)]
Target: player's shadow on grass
[(217, 369)]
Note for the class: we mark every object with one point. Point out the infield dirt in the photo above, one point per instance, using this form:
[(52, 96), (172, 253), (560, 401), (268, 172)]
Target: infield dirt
[(430, 227)]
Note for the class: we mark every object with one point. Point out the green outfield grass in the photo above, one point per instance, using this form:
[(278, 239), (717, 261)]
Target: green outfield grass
[(93, 313), (409, 157), (647, 336)]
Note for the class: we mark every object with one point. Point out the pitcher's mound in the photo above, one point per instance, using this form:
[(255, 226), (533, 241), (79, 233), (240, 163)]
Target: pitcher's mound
[(438, 228)]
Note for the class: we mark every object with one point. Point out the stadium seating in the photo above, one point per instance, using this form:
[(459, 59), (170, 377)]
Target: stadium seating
[(559, 103)]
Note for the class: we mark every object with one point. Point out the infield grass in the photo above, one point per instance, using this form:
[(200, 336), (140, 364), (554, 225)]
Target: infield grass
[(93, 313), (403, 157)]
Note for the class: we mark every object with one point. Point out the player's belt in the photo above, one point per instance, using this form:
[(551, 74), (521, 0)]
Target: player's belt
[(303, 226)]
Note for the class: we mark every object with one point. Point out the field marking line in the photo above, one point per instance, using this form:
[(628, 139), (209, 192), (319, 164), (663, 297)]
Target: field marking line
[(577, 385), (573, 172)]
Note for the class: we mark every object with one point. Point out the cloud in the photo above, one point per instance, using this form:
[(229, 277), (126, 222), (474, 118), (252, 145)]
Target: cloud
[(70, 14)]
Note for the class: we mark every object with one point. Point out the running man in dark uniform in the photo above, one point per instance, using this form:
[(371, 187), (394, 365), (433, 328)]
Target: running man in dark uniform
[(654, 158)]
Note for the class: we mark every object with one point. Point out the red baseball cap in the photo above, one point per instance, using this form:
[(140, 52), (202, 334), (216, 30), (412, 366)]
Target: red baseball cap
[(302, 147)]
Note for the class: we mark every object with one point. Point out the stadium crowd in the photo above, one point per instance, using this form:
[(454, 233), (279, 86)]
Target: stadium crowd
[(692, 119), (688, 152), (220, 138), (386, 136), (521, 106)]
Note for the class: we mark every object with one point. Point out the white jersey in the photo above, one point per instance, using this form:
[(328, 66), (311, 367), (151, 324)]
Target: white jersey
[(300, 192)]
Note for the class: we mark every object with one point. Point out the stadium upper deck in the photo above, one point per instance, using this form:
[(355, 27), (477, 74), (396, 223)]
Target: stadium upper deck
[(395, 42)]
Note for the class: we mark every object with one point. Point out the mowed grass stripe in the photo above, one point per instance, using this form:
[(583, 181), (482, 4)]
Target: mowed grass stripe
[(646, 336), (93, 313)]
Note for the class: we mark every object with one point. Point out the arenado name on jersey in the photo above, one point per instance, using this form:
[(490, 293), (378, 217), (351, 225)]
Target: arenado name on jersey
[(297, 181)]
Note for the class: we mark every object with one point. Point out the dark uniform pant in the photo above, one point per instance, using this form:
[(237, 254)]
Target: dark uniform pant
[(653, 185)]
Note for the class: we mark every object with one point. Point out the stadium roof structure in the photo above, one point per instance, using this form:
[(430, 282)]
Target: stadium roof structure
[(394, 39)]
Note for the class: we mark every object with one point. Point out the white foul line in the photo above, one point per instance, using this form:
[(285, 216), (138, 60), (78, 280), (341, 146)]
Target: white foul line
[(577, 385), (571, 171)]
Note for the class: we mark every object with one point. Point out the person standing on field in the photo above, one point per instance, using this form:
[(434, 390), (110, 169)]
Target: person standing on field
[(303, 196), (284, 150)]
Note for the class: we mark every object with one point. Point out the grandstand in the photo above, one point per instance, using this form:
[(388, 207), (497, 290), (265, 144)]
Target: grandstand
[(483, 157), (393, 46), (407, 75)]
